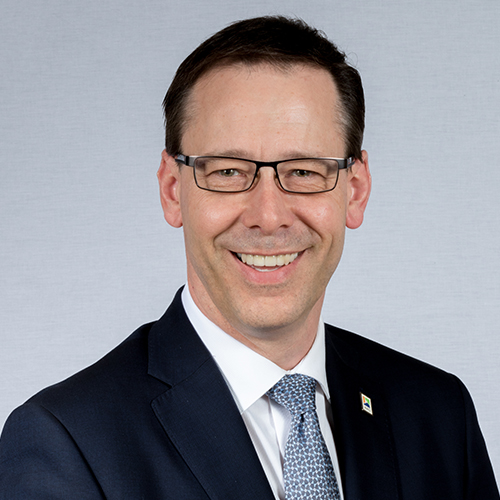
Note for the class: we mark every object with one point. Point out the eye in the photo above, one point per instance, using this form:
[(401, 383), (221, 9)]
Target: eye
[(302, 173), (228, 172)]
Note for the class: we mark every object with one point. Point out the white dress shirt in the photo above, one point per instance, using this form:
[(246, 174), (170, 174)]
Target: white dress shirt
[(249, 376)]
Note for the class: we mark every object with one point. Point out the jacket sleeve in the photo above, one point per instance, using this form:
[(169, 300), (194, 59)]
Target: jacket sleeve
[(39, 459), (480, 480)]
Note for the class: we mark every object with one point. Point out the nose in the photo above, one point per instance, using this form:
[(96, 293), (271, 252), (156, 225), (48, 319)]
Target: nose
[(267, 206)]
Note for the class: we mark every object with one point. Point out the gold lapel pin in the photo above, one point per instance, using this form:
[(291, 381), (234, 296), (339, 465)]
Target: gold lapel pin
[(366, 404)]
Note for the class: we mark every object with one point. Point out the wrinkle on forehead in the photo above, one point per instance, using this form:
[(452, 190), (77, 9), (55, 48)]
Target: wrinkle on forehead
[(297, 113)]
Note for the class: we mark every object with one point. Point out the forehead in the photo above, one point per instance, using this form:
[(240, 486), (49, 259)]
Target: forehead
[(263, 105)]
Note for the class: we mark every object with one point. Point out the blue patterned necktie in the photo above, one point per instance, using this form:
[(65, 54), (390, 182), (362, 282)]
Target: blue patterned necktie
[(307, 471)]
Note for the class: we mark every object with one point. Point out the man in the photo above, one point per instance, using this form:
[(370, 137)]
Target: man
[(239, 391)]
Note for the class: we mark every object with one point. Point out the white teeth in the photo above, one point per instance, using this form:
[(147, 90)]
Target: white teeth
[(259, 260), (268, 260)]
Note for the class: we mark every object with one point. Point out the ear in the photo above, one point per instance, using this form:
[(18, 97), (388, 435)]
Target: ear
[(359, 184), (169, 179)]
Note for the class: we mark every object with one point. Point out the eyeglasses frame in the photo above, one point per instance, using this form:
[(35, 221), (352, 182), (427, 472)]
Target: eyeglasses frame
[(189, 161)]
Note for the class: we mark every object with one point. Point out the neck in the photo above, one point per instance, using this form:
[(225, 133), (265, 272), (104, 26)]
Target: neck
[(285, 345)]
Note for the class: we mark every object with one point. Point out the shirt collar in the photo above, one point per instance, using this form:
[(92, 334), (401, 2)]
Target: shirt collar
[(248, 374)]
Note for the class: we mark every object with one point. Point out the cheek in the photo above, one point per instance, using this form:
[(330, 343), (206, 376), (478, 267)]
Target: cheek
[(327, 219), (206, 215)]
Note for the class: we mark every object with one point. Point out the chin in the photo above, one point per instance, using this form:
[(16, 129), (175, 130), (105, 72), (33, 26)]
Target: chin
[(271, 316)]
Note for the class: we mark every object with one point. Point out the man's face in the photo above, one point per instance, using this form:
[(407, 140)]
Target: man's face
[(262, 113)]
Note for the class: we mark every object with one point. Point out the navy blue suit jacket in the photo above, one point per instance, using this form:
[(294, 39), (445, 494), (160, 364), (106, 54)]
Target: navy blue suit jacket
[(154, 419)]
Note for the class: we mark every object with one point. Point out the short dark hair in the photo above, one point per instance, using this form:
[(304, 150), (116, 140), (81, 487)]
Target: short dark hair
[(275, 40)]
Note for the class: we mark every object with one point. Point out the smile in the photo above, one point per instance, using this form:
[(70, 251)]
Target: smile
[(274, 261)]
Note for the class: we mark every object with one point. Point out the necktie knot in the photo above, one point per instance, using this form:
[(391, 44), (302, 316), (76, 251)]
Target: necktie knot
[(296, 392)]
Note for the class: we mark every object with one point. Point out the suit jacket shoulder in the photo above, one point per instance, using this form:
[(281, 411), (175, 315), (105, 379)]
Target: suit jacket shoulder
[(152, 419), (421, 439)]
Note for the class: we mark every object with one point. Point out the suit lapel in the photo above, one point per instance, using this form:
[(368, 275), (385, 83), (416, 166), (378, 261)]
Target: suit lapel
[(201, 419), (199, 414), (364, 442)]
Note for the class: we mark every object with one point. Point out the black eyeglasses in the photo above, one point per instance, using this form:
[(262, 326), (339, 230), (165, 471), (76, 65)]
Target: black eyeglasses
[(234, 175)]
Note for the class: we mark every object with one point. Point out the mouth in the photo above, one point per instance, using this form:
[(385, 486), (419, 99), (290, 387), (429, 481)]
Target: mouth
[(265, 263)]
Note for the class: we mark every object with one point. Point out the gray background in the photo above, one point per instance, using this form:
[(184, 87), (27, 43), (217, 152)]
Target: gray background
[(86, 257)]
